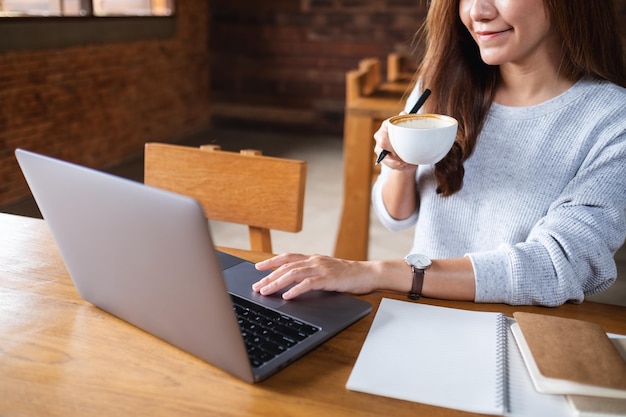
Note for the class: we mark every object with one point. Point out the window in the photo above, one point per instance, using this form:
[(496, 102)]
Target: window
[(98, 8)]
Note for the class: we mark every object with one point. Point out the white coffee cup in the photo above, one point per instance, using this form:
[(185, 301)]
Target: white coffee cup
[(422, 139)]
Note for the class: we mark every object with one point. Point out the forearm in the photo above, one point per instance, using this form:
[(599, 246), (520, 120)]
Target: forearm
[(399, 195), (449, 279)]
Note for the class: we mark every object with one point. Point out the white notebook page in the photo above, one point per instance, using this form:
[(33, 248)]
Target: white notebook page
[(433, 355), (449, 358)]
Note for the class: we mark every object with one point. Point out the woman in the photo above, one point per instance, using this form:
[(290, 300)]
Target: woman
[(529, 206)]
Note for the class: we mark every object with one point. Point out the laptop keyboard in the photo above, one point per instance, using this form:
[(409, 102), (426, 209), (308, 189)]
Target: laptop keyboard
[(267, 333)]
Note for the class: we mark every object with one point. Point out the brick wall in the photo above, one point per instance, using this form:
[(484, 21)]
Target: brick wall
[(98, 104), (281, 63)]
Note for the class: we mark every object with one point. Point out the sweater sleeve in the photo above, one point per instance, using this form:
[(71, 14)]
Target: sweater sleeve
[(380, 210), (569, 252)]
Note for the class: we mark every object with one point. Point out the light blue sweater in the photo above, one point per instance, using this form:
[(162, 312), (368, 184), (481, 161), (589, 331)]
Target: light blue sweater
[(542, 210)]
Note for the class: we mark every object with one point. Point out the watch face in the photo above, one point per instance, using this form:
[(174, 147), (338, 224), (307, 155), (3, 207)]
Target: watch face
[(418, 260)]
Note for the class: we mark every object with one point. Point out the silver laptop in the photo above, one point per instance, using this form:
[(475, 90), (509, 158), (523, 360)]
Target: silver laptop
[(146, 256)]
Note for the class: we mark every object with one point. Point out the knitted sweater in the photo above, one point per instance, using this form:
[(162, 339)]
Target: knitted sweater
[(542, 210)]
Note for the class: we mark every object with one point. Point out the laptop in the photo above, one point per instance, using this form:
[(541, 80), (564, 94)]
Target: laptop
[(146, 256)]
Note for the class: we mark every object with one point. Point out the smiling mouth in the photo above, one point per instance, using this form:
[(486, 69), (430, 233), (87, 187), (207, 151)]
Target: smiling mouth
[(487, 35)]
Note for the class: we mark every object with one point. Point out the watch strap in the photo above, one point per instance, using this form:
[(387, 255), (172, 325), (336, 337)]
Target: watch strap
[(418, 283)]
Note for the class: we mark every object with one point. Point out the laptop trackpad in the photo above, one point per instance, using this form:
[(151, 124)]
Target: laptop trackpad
[(239, 280)]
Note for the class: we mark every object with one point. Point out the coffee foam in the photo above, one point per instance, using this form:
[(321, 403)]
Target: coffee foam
[(423, 123)]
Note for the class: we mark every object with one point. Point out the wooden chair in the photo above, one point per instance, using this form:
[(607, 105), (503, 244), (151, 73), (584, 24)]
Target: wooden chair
[(245, 188), (398, 82), (372, 75), (398, 68)]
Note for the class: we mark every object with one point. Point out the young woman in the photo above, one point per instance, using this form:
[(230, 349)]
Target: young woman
[(529, 206)]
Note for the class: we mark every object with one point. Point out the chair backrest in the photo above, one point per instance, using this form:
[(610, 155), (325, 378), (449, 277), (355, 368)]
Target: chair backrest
[(247, 188), (399, 68), (358, 85), (364, 81), (355, 79), (373, 77)]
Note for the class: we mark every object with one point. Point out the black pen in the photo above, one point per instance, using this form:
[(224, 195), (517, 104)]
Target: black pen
[(418, 104), (381, 156)]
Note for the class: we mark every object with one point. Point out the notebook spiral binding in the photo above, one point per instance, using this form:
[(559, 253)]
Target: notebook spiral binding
[(502, 364)]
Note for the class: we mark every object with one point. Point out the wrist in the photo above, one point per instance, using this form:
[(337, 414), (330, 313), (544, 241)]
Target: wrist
[(404, 171), (419, 264), (391, 275)]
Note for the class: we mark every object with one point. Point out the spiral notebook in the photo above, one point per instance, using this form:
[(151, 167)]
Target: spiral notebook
[(452, 358)]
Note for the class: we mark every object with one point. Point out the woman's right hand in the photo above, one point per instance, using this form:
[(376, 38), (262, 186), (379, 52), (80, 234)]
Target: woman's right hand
[(399, 194), (392, 160)]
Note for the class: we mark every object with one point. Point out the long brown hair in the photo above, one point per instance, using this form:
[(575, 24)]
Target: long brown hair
[(463, 86)]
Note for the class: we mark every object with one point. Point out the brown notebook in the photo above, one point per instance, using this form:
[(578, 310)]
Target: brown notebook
[(568, 356)]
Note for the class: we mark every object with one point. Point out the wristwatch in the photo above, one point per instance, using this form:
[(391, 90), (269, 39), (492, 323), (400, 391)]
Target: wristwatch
[(419, 264)]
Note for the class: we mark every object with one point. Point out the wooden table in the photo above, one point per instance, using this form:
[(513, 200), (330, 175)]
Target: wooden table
[(60, 356), (362, 119)]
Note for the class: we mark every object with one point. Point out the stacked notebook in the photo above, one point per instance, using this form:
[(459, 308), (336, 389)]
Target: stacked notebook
[(470, 361), (574, 358)]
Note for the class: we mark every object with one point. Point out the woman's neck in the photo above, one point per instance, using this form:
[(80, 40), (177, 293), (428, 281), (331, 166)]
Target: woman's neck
[(529, 89), (529, 83)]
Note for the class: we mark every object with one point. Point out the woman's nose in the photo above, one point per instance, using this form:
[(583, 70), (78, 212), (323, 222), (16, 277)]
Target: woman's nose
[(481, 10)]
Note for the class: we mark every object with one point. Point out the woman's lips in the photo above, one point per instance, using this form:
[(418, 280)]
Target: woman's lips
[(485, 35)]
